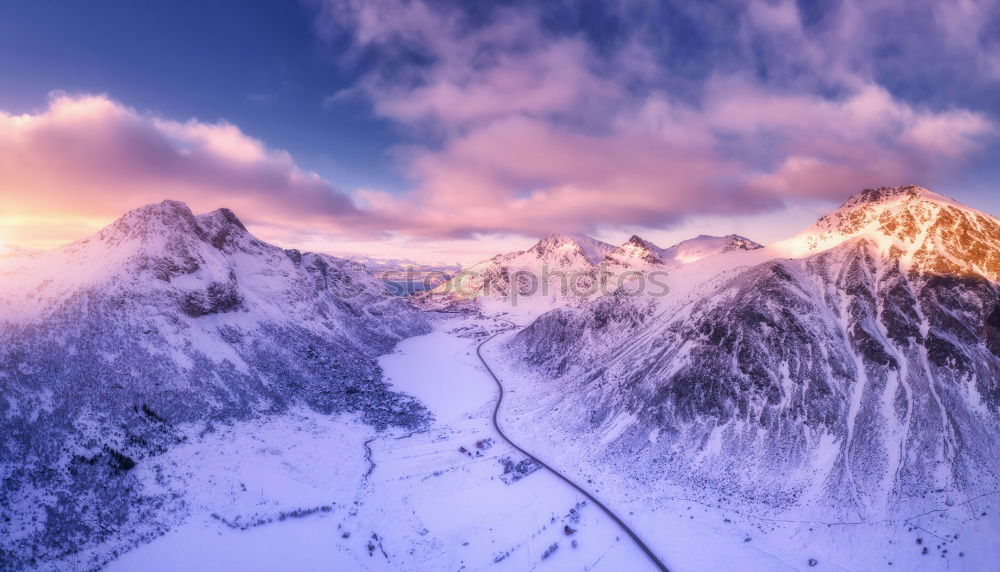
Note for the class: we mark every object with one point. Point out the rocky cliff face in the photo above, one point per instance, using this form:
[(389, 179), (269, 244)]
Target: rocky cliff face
[(861, 372), (109, 344)]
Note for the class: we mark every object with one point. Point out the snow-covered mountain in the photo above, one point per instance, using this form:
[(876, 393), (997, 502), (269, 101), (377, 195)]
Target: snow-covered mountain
[(854, 368), (174, 365), (162, 318), (570, 251), (562, 266), (926, 232), (637, 252), (558, 266)]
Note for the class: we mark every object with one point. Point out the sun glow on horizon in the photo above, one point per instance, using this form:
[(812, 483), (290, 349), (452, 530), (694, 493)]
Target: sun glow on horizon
[(45, 232)]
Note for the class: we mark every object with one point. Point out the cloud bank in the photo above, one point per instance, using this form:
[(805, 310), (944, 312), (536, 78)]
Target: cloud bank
[(89, 158), (566, 116), (535, 126)]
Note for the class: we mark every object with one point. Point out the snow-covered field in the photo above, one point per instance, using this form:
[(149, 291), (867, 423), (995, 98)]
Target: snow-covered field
[(303, 492)]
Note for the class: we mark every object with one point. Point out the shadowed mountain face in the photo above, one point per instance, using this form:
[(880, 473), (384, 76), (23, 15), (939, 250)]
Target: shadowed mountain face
[(863, 372), (164, 317)]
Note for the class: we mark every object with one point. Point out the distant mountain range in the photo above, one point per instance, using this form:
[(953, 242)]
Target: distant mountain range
[(10, 251), (566, 266), (639, 253)]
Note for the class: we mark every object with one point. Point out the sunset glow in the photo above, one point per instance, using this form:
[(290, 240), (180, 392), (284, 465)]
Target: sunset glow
[(561, 128)]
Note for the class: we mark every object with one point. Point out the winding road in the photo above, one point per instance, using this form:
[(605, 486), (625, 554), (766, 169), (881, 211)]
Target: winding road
[(496, 425)]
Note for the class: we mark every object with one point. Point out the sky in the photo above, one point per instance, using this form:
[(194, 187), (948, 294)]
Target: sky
[(448, 131)]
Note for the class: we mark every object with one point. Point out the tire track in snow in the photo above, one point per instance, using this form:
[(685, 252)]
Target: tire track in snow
[(368, 457), (496, 425)]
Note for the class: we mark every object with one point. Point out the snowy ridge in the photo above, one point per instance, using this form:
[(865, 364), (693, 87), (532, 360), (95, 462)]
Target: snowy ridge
[(637, 251), (561, 268), (551, 270), (570, 250), (704, 245)]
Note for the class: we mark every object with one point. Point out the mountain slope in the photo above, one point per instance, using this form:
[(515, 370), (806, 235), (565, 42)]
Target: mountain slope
[(863, 374), (108, 344)]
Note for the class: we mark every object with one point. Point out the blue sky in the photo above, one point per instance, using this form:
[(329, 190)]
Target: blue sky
[(254, 63), (418, 127)]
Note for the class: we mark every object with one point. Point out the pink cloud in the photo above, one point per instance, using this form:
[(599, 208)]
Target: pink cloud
[(661, 163), (528, 132), (92, 157), (528, 176), (535, 132)]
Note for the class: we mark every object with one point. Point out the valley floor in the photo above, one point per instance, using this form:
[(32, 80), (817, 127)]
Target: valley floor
[(309, 492)]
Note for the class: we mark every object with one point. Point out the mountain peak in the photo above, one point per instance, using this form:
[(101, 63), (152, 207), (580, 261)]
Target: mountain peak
[(168, 208), (739, 242), (170, 221), (563, 238), (222, 217), (222, 228), (636, 240), (905, 193), (895, 211), (151, 221), (922, 228), (637, 248), (563, 246), (705, 245)]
